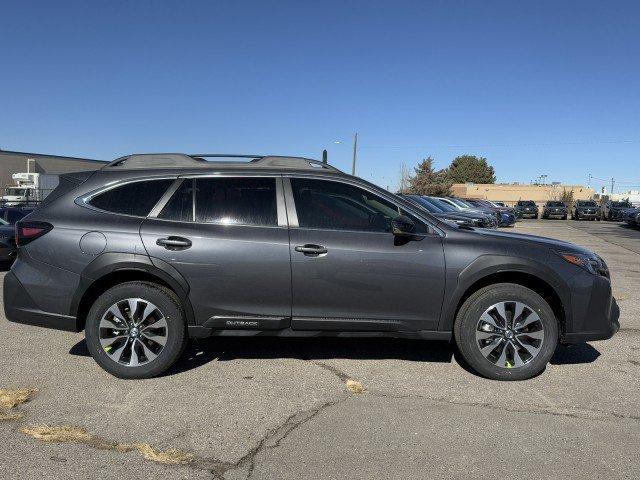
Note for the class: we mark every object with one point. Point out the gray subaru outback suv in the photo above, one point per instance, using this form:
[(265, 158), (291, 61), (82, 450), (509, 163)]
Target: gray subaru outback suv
[(153, 249)]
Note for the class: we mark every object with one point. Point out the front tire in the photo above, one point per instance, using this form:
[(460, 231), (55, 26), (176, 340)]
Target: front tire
[(506, 332), (136, 330)]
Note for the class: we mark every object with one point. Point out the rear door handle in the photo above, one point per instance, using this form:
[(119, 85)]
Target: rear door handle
[(311, 250), (174, 243)]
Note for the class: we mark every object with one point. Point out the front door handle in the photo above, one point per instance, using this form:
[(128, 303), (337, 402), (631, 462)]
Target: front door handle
[(311, 250), (174, 243)]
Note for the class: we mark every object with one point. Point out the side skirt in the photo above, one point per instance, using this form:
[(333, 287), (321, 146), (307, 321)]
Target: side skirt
[(197, 331)]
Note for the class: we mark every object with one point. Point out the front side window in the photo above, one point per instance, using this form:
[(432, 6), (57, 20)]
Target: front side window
[(135, 198), (327, 205), (225, 201)]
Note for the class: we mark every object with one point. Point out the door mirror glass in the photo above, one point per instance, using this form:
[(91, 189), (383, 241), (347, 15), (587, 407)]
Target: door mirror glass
[(403, 226)]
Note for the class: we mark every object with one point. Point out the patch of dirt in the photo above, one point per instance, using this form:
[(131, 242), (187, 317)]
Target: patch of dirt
[(354, 386), (73, 434)]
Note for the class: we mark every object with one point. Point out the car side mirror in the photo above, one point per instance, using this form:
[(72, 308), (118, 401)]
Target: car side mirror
[(403, 226)]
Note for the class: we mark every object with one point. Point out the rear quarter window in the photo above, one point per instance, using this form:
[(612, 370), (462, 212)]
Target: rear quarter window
[(135, 198)]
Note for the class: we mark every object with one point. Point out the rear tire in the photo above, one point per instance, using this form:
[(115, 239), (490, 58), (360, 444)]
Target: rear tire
[(517, 349), (139, 344)]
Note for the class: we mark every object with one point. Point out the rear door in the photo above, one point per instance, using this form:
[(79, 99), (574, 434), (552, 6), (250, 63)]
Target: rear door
[(349, 272), (227, 236)]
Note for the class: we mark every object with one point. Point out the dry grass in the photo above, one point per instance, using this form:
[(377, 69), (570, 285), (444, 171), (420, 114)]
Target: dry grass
[(168, 457), (354, 386), (64, 433), (72, 434), (7, 416), (13, 398)]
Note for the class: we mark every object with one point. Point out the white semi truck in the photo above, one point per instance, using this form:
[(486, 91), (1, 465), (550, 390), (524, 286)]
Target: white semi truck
[(29, 188)]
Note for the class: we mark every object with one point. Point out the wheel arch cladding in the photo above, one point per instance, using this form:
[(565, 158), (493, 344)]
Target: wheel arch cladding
[(101, 275), (545, 285)]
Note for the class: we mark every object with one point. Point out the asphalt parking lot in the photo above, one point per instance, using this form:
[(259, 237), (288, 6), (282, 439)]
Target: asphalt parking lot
[(272, 408)]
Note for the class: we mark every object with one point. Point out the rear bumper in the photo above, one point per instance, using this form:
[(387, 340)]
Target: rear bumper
[(19, 307)]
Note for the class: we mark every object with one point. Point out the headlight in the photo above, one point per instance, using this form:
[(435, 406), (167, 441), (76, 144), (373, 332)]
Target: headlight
[(592, 264)]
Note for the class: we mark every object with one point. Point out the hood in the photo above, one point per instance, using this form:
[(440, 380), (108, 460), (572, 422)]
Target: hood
[(551, 243)]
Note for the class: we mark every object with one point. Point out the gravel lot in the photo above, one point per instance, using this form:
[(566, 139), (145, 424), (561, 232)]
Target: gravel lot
[(271, 408)]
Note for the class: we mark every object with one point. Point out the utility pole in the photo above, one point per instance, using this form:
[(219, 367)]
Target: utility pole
[(355, 153), (589, 183), (612, 182)]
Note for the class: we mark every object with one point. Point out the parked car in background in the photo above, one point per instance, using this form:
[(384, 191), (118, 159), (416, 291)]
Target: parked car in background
[(632, 217), (12, 214), (8, 217), (527, 209), (507, 215), (289, 247), (7, 243), (585, 210), (614, 211), (461, 218), (463, 206), (555, 209)]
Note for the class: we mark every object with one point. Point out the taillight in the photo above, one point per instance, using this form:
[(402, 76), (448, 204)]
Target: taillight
[(28, 231)]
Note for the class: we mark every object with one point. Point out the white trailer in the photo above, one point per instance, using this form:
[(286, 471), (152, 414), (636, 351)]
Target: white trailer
[(29, 188)]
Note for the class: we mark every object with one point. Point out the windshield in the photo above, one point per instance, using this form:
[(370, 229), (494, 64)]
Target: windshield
[(587, 203), (461, 203), (444, 206), (527, 203), (555, 204), (424, 203), (16, 192), (621, 204)]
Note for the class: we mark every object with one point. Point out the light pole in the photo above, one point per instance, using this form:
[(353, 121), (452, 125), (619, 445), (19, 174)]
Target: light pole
[(355, 153)]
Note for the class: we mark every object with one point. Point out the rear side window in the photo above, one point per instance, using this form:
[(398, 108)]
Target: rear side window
[(135, 198), (225, 201)]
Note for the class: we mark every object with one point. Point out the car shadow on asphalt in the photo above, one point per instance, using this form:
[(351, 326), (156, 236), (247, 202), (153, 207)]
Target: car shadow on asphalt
[(199, 352)]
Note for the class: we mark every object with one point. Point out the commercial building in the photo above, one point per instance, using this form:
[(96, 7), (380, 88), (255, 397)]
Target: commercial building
[(16, 162), (511, 193)]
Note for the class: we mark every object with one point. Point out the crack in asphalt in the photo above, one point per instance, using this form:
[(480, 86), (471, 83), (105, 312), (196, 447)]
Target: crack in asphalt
[(276, 435), (582, 414)]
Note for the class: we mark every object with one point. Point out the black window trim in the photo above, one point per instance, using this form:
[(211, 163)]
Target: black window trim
[(281, 213), (85, 200), (293, 215)]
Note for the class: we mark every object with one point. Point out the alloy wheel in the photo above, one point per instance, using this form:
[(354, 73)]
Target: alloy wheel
[(133, 332), (509, 334)]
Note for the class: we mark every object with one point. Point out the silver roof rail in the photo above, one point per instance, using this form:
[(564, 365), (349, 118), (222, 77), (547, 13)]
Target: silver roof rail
[(181, 160)]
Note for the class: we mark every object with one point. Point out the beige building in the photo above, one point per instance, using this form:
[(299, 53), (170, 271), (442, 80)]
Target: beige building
[(511, 193)]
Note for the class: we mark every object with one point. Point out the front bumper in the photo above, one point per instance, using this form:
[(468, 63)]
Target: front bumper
[(595, 312), (19, 307), (529, 214), (581, 215)]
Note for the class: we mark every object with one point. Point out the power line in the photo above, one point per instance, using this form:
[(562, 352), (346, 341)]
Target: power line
[(487, 145)]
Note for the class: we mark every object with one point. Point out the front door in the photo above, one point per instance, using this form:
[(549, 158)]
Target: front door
[(228, 238), (349, 272)]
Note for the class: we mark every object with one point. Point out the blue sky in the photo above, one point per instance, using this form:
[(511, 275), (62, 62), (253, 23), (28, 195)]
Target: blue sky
[(536, 87)]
